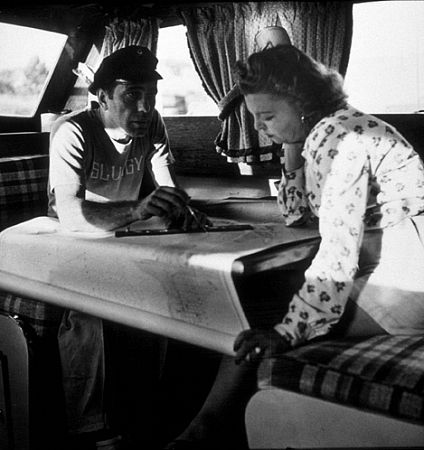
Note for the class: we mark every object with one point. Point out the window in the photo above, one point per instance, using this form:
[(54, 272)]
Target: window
[(181, 91), (386, 65), (28, 57)]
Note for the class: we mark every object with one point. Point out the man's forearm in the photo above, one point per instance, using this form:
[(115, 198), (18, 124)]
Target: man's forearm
[(77, 214), (92, 216)]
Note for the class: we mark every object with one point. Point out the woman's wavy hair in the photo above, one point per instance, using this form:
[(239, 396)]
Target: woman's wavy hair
[(286, 71)]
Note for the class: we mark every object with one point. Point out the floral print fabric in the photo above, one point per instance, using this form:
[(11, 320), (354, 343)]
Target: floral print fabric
[(359, 172)]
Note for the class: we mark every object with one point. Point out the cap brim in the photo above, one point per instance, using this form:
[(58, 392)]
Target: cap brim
[(141, 77)]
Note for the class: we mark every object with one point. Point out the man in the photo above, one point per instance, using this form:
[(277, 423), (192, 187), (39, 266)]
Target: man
[(98, 160)]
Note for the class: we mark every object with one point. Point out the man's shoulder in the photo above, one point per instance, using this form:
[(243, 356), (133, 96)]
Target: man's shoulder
[(157, 125), (81, 120), (156, 118)]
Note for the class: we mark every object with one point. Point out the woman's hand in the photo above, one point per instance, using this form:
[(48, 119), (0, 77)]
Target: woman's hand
[(253, 345), (293, 156)]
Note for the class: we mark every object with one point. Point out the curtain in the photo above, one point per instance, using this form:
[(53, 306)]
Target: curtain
[(118, 34), (220, 34), (323, 30), (122, 33)]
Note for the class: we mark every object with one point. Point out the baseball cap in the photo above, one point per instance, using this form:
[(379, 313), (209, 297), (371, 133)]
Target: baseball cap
[(133, 64)]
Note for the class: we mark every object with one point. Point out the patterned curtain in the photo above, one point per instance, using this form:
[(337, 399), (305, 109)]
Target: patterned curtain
[(118, 34), (122, 33), (323, 30), (220, 34)]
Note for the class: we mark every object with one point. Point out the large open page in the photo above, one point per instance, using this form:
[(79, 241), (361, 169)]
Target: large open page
[(178, 285)]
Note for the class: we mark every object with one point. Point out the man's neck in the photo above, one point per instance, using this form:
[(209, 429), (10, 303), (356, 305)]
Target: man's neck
[(125, 139), (117, 134)]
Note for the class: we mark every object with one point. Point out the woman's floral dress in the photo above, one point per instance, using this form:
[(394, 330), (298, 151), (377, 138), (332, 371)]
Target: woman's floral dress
[(359, 172)]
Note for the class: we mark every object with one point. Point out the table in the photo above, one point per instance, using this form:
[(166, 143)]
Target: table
[(180, 286)]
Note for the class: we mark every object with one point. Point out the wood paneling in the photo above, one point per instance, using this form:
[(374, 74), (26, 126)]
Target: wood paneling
[(192, 143)]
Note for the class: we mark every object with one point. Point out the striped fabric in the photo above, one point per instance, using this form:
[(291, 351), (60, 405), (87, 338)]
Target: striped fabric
[(43, 318), (23, 188), (23, 195), (381, 373)]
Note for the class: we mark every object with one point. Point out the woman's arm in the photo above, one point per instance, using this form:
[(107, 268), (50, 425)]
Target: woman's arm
[(293, 159), (338, 181), (291, 198)]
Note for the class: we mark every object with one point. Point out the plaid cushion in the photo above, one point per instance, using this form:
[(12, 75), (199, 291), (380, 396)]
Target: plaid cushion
[(381, 373), (23, 195), (43, 318), (23, 188)]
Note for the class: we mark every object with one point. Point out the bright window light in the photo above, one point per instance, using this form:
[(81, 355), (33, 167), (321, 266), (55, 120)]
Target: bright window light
[(180, 93), (386, 65), (28, 57)]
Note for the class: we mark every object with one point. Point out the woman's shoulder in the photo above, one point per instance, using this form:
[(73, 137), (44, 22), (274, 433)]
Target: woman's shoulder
[(331, 124), (348, 120), (343, 116)]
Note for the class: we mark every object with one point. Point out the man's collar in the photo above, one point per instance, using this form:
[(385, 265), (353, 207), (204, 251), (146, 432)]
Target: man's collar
[(116, 136)]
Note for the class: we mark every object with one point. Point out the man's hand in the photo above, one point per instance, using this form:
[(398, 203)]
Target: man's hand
[(163, 202), (189, 218), (171, 204), (253, 345)]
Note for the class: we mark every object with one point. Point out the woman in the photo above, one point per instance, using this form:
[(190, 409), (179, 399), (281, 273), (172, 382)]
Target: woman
[(365, 184)]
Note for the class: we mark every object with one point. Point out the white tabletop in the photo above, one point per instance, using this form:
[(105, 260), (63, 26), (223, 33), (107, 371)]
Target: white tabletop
[(178, 285)]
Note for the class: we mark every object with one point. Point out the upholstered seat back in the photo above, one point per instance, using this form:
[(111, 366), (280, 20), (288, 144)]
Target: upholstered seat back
[(23, 195)]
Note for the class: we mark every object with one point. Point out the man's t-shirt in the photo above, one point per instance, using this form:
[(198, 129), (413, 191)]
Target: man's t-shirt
[(81, 152)]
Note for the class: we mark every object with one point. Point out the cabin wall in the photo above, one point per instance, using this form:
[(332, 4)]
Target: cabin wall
[(24, 144), (192, 142)]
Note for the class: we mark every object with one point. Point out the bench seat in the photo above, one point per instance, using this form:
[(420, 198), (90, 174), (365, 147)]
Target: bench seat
[(23, 195), (381, 375)]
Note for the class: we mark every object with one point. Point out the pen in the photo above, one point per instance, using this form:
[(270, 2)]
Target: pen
[(201, 226)]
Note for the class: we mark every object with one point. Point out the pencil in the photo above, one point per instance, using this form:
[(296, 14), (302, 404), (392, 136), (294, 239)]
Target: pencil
[(201, 226)]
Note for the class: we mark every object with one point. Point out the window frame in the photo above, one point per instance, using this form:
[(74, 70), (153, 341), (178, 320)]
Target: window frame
[(81, 29)]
